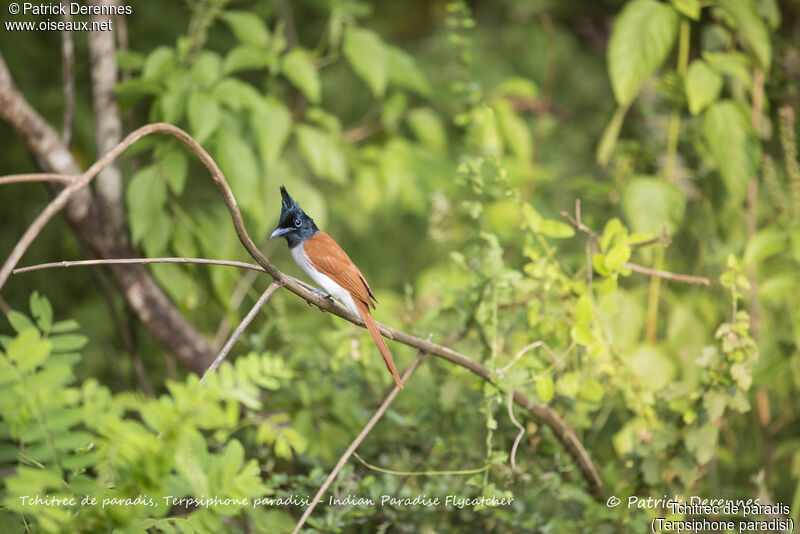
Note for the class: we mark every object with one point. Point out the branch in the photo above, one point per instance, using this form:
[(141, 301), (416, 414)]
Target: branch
[(38, 177), (107, 123), (686, 278), (68, 79), (125, 261), (239, 329), (356, 442), (90, 220)]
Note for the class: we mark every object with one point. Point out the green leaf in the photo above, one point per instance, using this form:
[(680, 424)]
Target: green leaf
[(204, 116), (729, 134), (741, 373), (547, 227), (299, 68), (366, 53), (643, 36), (322, 153), (617, 256), (765, 243), (584, 310), (650, 204), (19, 321), (158, 63), (237, 95), (239, 164), (591, 390), (515, 131), (733, 64), (65, 326), (173, 167), (653, 367), (207, 68), (610, 135), (714, 403), (690, 8), (545, 389), (246, 57), (702, 84), (28, 350), (404, 72), (42, 311), (569, 385), (752, 29), (247, 27), (68, 342), (129, 60), (702, 442), (272, 125), (582, 335), (145, 197), (428, 127)]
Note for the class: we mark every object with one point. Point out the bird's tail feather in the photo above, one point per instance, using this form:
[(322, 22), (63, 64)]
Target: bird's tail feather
[(376, 337)]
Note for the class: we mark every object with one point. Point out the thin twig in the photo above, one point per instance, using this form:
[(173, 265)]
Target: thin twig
[(687, 278), (521, 352), (235, 300), (239, 329), (38, 177), (123, 261), (420, 473), (357, 442), (519, 435)]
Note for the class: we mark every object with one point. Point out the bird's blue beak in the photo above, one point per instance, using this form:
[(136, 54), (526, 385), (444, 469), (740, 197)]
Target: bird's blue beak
[(279, 232)]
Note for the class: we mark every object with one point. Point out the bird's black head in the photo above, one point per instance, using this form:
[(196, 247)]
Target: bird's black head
[(294, 224)]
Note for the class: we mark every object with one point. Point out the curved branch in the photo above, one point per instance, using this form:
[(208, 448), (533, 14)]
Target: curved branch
[(90, 220)]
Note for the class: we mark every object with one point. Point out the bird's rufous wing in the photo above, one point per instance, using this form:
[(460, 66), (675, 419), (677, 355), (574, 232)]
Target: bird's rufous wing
[(328, 258)]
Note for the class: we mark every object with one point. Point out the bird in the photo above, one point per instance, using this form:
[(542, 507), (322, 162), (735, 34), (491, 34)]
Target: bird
[(324, 261)]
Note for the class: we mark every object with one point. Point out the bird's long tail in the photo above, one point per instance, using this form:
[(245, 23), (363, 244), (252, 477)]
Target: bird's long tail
[(376, 337)]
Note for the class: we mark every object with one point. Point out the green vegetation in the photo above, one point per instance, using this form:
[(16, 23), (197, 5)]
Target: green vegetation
[(508, 176)]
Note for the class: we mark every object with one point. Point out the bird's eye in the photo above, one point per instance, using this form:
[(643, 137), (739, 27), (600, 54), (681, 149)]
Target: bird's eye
[(298, 223)]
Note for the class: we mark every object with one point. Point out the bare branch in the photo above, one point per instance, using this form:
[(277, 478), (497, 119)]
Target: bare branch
[(37, 177), (356, 443), (521, 433), (107, 123), (68, 79), (239, 329), (74, 188), (420, 473), (687, 278), (123, 261)]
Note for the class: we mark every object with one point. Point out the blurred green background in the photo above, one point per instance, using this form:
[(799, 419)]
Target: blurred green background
[(439, 143)]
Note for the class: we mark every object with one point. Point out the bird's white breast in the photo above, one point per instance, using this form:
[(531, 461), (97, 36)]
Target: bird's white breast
[(325, 282)]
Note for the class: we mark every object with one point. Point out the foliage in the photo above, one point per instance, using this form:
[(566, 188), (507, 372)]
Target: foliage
[(441, 163)]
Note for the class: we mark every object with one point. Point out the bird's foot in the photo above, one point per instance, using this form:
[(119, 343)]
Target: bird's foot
[(321, 293)]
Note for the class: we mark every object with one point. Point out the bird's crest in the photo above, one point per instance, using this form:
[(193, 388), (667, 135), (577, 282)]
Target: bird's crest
[(287, 202)]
